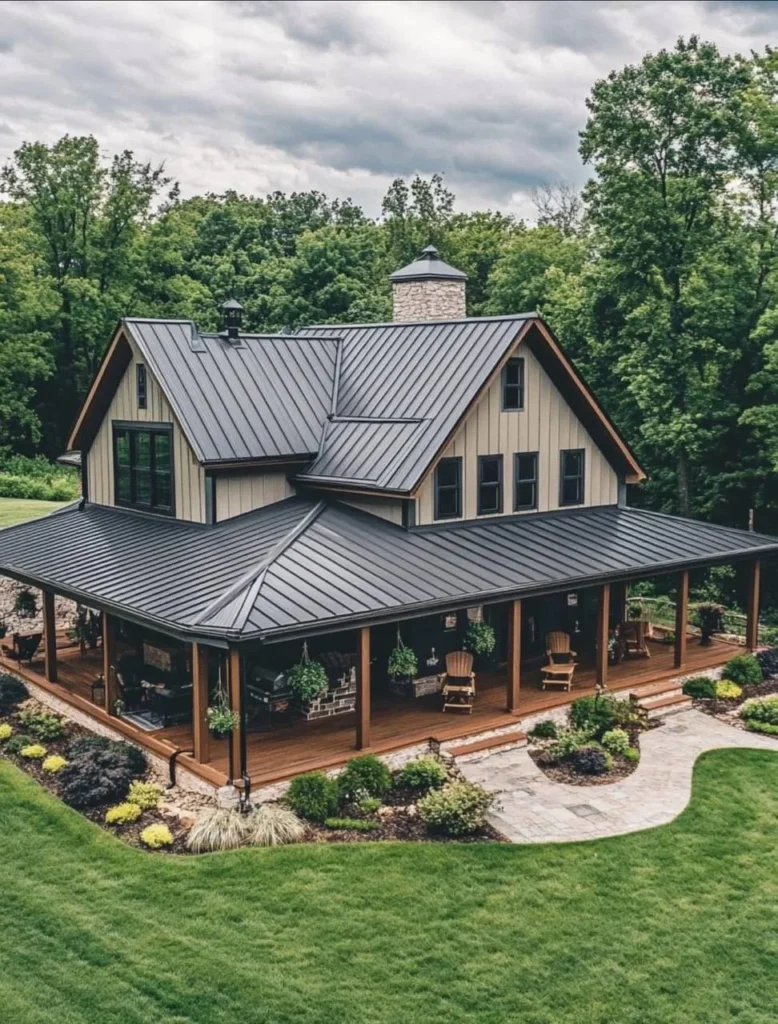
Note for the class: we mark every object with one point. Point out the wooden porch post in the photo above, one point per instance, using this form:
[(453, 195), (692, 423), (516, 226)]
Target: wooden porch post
[(363, 688), (752, 615), (236, 736), (681, 619), (49, 637), (109, 656), (603, 633), (200, 733), (514, 656)]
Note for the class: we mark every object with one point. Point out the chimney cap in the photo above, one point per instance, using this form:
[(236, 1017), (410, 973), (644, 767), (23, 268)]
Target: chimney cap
[(428, 266), (231, 304)]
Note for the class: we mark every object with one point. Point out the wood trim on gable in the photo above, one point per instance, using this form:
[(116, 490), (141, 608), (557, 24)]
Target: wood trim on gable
[(117, 358)]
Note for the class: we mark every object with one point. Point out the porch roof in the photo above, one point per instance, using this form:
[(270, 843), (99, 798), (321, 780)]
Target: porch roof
[(299, 566)]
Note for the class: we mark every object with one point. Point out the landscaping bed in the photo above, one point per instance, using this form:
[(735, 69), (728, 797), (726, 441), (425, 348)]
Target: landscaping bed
[(746, 697)]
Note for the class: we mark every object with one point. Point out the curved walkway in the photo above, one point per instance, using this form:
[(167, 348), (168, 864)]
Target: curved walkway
[(532, 809)]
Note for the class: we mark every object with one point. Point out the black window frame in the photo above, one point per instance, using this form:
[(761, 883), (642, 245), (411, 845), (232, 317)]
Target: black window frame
[(482, 461), (133, 430), (454, 460), (141, 385), (517, 386), (580, 477), (518, 480)]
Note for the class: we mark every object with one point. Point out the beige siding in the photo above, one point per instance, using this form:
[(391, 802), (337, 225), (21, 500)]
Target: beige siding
[(546, 425), (386, 508), (237, 493), (189, 476)]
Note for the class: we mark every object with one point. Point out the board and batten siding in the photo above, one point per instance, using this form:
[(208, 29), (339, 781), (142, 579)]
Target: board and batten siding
[(385, 508), (189, 477), (546, 425), (237, 493)]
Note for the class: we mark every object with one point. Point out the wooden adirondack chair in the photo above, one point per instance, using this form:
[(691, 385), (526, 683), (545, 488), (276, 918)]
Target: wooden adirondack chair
[(561, 662), (458, 681)]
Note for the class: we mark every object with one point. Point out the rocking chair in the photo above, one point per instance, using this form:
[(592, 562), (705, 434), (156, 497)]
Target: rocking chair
[(458, 681), (561, 662)]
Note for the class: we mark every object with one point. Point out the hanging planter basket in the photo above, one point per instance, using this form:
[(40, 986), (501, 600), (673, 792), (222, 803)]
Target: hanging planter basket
[(307, 679), (222, 720), (402, 667)]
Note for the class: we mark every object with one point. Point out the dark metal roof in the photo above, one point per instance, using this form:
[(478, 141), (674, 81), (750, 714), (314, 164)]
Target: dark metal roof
[(428, 371), (428, 266), (298, 567), (264, 396)]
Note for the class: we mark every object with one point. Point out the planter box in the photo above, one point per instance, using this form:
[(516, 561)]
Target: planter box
[(339, 701), (426, 684)]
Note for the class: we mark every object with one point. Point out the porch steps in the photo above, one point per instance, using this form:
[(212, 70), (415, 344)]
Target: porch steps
[(668, 705), (503, 741), (663, 697)]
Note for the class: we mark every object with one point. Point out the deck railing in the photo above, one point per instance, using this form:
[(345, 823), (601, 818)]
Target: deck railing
[(661, 612)]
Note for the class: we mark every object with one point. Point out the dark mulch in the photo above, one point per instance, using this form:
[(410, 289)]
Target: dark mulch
[(398, 827), (723, 708), (559, 771)]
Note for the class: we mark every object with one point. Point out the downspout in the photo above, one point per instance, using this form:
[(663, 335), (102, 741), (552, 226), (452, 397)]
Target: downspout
[(245, 795)]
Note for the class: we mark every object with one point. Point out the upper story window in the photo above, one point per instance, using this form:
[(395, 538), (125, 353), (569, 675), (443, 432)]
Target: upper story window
[(571, 477), (489, 484), (513, 384), (143, 466), (141, 383), (448, 488), (525, 481)]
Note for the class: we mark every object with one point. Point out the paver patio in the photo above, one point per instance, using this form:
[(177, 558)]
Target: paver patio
[(532, 809)]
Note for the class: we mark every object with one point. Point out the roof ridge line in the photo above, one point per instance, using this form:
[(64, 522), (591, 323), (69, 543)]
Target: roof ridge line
[(256, 573), (533, 315)]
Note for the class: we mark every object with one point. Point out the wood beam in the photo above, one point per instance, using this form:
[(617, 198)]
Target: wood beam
[(49, 637), (363, 688), (236, 736), (603, 633), (201, 733), (752, 614), (109, 657), (681, 619), (514, 656)]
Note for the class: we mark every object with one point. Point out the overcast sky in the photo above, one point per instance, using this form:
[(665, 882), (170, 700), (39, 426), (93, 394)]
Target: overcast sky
[(341, 97)]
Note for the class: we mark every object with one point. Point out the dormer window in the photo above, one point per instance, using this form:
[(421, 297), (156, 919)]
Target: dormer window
[(513, 384), (141, 384), (143, 466)]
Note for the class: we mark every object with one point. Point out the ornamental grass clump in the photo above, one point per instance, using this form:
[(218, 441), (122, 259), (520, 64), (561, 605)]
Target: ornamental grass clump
[(457, 809), (313, 795), (53, 764), (423, 773), (122, 814), (219, 829), (145, 794), (743, 669), (156, 837), (33, 752), (365, 775), (272, 825)]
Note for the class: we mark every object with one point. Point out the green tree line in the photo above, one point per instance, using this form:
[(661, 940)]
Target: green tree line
[(659, 278)]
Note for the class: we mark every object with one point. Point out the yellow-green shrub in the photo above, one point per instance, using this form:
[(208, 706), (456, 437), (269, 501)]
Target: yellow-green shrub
[(156, 836), (54, 763), (6, 732), (145, 794), (727, 690), (34, 751), (122, 814)]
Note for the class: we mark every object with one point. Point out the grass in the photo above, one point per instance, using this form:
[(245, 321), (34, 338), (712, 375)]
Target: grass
[(19, 510), (661, 927)]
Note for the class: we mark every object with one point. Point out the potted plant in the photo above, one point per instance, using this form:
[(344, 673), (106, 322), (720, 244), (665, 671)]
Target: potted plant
[(307, 679), (25, 604), (222, 720), (402, 667), (480, 640), (710, 619), (615, 650)]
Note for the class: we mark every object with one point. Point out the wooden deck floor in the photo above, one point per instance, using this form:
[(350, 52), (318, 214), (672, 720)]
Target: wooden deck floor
[(395, 722)]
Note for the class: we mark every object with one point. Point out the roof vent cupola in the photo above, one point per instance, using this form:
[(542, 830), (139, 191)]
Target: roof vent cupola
[(428, 289), (233, 319)]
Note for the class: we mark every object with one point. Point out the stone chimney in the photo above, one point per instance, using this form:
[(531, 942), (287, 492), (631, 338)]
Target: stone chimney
[(428, 289)]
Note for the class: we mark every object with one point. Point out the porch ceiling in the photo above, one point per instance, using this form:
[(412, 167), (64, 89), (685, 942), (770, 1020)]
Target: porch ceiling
[(298, 567)]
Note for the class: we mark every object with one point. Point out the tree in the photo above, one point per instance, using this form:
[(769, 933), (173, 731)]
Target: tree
[(559, 205)]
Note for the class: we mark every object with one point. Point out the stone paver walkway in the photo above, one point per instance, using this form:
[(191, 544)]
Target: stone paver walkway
[(530, 808)]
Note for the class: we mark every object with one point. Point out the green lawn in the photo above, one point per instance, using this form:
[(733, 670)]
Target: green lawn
[(673, 925), (18, 510)]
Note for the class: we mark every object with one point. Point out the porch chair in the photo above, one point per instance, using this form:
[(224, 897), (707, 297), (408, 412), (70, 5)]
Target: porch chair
[(633, 635), (561, 662), (25, 645), (458, 681)]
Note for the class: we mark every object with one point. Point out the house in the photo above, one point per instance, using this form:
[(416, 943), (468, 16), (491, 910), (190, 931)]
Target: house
[(253, 500)]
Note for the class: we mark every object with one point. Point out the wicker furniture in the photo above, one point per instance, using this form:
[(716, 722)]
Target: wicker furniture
[(561, 662), (458, 681)]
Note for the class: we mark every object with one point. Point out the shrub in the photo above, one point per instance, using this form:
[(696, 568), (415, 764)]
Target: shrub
[(42, 724), (761, 709), (457, 809), (727, 690), (133, 757), (313, 795), (545, 730), (480, 638), (17, 741), (6, 732), (12, 691), (25, 604), (37, 478), (743, 669), (122, 814), (219, 829), (616, 741), (273, 825), (355, 824), (366, 775), (595, 715), (768, 661), (763, 727), (590, 761), (700, 687), (94, 778), (145, 794), (33, 752), (53, 763), (156, 836), (368, 806), (422, 773), (632, 754), (568, 741)]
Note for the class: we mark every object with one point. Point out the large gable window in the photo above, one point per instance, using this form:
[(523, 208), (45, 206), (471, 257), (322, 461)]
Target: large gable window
[(513, 384), (143, 467), (525, 481), (448, 489), (571, 477), (489, 484)]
